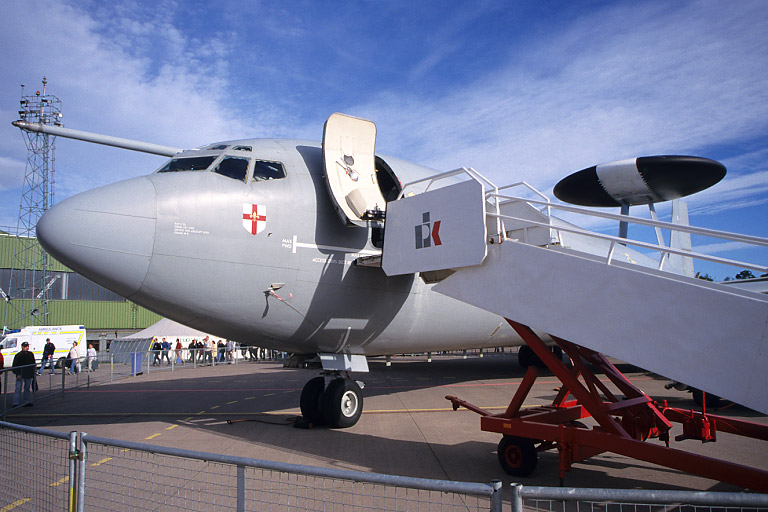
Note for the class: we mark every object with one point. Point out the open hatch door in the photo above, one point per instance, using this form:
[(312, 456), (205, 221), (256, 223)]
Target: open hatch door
[(350, 169)]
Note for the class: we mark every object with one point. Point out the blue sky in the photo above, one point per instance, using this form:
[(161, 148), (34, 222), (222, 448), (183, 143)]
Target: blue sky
[(518, 90)]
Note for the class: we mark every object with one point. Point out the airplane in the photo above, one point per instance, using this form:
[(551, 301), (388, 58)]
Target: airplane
[(279, 243)]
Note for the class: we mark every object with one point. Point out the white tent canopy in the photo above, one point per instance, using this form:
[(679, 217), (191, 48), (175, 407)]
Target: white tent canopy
[(142, 340), (170, 330)]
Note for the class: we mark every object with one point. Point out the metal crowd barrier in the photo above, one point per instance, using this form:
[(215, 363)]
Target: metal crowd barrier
[(109, 368), (566, 499), (47, 470)]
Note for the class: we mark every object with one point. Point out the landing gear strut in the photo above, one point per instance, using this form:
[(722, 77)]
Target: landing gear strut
[(331, 400)]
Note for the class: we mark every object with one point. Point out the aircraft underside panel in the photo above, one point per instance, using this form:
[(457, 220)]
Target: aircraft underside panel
[(686, 329)]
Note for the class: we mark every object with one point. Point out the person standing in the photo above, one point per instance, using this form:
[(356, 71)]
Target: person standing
[(24, 369), (48, 351), (166, 349), (2, 365), (230, 347), (73, 358), (179, 359), (157, 347), (208, 347), (90, 357)]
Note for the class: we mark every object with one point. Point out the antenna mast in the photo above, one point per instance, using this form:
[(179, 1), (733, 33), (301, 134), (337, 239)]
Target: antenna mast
[(29, 290)]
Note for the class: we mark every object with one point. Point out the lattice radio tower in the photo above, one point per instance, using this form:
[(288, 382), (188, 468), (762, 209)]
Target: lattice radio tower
[(29, 293)]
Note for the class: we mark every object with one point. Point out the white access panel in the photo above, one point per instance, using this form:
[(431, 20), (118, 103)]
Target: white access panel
[(350, 171), (437, 230)]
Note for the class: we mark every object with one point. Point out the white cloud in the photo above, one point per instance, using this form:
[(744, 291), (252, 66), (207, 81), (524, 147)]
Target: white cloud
[(669, 82), (678, 78)]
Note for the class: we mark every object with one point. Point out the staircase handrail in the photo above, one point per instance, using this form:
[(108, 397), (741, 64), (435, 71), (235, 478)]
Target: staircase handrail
[(725, 235), (713, 233)]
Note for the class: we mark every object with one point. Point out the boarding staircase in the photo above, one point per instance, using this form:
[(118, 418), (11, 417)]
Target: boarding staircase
[(507, 254)]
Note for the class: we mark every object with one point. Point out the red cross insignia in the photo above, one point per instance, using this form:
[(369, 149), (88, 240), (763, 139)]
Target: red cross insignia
[(254, 218)]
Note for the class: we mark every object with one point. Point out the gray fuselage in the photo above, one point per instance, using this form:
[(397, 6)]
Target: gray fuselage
[(180, 244)]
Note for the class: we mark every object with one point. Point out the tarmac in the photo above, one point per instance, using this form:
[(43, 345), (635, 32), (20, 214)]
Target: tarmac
[(408, 428)]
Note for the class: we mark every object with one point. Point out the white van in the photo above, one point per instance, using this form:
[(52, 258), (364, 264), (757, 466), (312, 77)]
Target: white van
[(62, 336)]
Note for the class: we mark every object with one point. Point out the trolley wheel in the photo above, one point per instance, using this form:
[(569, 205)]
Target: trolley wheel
[(310, 401), (61, 363), (342, 403), (517, 455)]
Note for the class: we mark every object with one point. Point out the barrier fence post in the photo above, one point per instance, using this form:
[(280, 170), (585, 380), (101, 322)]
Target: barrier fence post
[(497, 496), (72, 470), (240, 488), (81, 460), (517, 498), (5, 393)]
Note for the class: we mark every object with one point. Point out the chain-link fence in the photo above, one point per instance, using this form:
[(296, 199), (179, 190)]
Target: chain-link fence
[(35, 472), (569, 499), (47, 470), (119, 475)]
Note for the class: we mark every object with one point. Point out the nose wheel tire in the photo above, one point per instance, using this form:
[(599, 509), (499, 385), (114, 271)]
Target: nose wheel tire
[(517, 455), (342, 403)]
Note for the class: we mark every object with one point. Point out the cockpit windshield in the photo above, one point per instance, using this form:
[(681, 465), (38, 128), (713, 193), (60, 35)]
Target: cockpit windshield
[(233, 167), (195, 163), (263, 170)]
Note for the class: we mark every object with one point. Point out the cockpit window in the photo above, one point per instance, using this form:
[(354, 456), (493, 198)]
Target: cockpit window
[(197, 163), (267, 171), (218, 147), (233, 167), (242, 148)]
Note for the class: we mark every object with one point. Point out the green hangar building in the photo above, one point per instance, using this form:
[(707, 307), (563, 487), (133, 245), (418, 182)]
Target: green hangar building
[(74, 300)]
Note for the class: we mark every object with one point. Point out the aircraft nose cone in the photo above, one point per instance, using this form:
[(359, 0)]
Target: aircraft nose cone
[(106, 234)]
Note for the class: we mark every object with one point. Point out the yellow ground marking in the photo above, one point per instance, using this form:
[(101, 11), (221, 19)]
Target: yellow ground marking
[(270, 394), (62, 481), (230, 403), (199, 413), (14, 505), (125, 450), (152, 436), (171, 427), (188, 419), (215, 407), (102, 461), (250, 398)]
